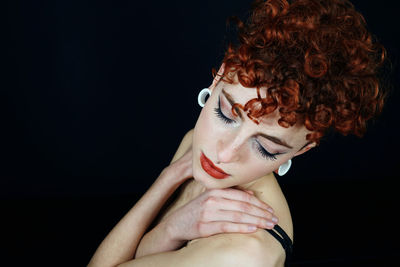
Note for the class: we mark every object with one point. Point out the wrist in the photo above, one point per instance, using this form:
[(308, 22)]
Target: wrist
[(172, 235)]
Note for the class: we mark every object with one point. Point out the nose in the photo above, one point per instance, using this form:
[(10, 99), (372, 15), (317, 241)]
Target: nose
[(228, 149)]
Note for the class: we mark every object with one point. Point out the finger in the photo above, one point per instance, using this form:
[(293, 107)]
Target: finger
[(243, 207), (249, 191), (212, 228), (241, 217), (239, 195)]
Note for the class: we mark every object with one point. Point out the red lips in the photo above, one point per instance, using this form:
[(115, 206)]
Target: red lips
[(211, 169)]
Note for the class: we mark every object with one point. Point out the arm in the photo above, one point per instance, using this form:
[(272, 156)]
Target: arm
[(159, 238), (121, 243), (257, 249), (213, 212)]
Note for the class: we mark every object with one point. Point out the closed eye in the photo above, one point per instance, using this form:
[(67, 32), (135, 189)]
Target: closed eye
[(265, 153), (221, 115)]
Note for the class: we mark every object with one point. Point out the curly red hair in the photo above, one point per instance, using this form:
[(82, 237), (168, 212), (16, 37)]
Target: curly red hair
[(317, 61)]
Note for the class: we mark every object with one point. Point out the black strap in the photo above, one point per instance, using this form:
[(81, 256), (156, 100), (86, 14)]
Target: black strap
[(285, 241)]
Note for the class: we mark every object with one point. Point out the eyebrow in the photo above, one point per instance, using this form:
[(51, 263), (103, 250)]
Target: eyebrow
[(232, 102), (274, 139)]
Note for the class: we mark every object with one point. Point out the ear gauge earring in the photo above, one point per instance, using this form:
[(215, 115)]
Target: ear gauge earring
[(284, 168), (201, 98)]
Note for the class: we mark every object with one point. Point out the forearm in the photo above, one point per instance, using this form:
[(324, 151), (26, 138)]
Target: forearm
[(121, 243)]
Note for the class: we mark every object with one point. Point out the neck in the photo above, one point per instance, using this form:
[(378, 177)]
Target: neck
[(197, 188), (257, 183)]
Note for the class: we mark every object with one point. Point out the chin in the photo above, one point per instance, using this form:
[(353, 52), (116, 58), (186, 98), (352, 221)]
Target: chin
[(198, 176), (205, 180), (209, 182)]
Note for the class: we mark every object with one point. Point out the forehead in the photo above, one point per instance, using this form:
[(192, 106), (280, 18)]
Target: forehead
[(294, 136)]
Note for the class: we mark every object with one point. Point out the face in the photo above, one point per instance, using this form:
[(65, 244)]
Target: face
[(232, 150)]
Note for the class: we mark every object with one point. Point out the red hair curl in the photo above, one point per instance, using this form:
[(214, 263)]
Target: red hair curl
[(316, 60)]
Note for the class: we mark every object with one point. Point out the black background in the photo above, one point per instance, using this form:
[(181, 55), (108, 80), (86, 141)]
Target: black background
[(96, 97)]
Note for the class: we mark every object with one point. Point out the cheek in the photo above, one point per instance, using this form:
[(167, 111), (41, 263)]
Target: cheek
[(205, 131), (255, 167), (254, 170)]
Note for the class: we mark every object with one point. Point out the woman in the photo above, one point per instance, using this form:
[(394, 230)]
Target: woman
[(299, 70)]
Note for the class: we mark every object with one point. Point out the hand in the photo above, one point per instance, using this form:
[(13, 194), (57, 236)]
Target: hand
[(181, 169), (219, 211)]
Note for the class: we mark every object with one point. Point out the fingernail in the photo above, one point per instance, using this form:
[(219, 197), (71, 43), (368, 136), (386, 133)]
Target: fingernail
[(270, 224), (274, 219), (270, 210), (252, 228)]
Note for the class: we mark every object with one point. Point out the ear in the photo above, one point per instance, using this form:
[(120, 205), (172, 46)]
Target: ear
[(217, 77), (305, 148)]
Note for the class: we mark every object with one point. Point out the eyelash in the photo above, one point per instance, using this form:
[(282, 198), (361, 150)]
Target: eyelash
[(221, 115), (264, 153)]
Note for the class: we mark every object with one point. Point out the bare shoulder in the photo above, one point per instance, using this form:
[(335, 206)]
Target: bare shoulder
[(174, 202), (184, 145), (255, 249), (270, 192), (236, 249)]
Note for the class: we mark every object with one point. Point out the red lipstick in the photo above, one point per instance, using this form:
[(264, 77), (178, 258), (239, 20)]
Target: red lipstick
[(211, 169)]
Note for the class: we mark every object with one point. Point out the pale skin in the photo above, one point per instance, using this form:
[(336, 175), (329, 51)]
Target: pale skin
[(212, 222)]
